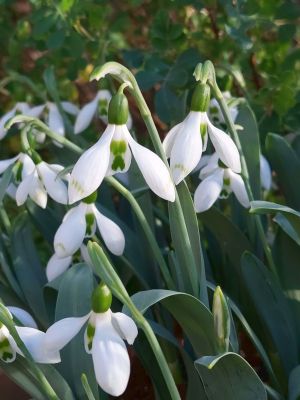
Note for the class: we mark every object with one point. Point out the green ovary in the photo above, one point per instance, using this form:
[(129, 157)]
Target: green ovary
[(118, 149)]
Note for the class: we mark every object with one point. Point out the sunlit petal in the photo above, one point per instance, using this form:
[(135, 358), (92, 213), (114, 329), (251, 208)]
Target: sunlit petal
[(208, 191)]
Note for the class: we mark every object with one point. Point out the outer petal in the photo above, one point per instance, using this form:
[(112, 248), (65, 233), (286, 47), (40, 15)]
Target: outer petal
[(23, 316), (61, 332), (125, 326), (265, 173), (71, 232), (208, 191), (238, 187), (3, 121), (110, 358), (54, 185), (210, 167), (55, 120), (169, 140), (57, 266), (153, 169), (187, 149), (28, 165), (4, 164), (36, 191), (34, 341), (85, 116), (23, 190), (91, 168), (111, 233), (36, 111), (225, 147)]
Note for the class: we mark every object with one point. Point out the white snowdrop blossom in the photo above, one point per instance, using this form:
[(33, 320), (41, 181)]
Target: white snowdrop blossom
[(218, 181), (98, 106), (41, 179), (81, 222), (32, 338), (104, 339), (215, 112), (265, 173), (111, 154), (186, 141)]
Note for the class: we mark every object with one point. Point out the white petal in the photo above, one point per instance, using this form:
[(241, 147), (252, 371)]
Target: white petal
[(169, 140), (36, 111), (265, 173), (55, 186), (69, 107), (22, 107), (57, 266), (4, 164), (28, 165), (3, 121), (153, 169), (61, 332), (238, 187), (23, 316), (36, 190), (55, 120), (110, 358), (91, 168), (85, 255), (225, 147), (187, 149), (71, 232), (85, 116), (125, 326), (111, 233), (23, 190), (208, 191), (104, 95), (34, 341), (210, 167), (114, 166)]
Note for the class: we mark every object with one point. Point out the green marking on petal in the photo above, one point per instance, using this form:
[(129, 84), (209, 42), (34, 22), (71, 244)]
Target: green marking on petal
[(6, 352), (179, 166), (118, 163), (226, 181), (90, 333), (89, 219), (118, 147), (203, 129), (103, 107)]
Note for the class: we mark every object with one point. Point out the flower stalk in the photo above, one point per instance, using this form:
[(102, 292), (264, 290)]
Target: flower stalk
[(106, 272)]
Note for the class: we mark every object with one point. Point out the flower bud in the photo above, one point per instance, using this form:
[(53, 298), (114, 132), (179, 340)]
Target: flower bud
[(118, 109), (101, 298), (201, 98), (221, 320)]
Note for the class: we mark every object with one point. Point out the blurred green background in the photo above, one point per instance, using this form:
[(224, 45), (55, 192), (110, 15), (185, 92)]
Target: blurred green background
[(254, 44)]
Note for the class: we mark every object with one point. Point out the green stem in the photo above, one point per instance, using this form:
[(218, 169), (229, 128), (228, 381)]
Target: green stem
[(5, 218), (146, 228), (106, 272), (233, 132), (86, 387)]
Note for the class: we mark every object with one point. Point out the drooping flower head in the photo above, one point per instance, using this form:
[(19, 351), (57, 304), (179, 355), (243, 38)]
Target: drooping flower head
[(103, 338), (112, 153), (185, 142), (81, 222), (218, 181)]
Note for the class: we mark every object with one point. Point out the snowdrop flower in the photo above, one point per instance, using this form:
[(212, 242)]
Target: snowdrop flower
[(185, 142), (218, 181), (103, 338), (55, 120), (81, 222), (265, 173), (40, 179), (215, 112), (112, 153), (32, 338), (99, 103)]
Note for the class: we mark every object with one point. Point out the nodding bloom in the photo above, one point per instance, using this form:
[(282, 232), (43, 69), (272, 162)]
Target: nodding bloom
[(32, 338), (53, 117), (215, 112), (39, 179), (218, 181), (103, 338), (113, 153), (186, 141), (81, 222), (99, 105)]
